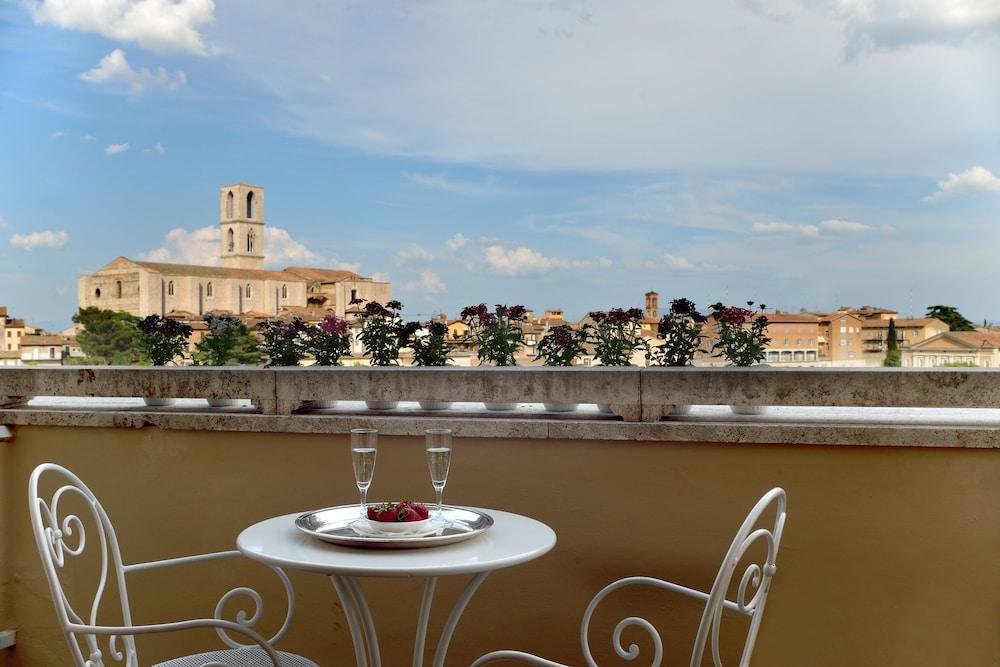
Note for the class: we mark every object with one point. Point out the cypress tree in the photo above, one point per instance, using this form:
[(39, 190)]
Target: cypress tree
[(892, 356)]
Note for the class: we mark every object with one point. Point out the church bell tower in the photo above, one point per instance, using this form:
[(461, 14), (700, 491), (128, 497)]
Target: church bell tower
[(241, 217)]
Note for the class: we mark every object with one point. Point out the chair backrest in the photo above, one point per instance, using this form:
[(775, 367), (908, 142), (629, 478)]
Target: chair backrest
[(755, 581), (60, 537)]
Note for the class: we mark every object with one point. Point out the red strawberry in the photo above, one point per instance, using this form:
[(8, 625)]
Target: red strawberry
[(420, 509), (408, 514), (372, 513), (385, 512)]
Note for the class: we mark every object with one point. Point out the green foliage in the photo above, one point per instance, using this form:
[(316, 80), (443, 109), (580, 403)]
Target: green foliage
[(162, 338), (381, 331), (498, 335), (284, 342), (680, 331), (562, 345), (430, 346), (742, 334), (950, 316), (228, 341), (893, 359), (109, 336), (892, 344), (617, 334), (959, 364)]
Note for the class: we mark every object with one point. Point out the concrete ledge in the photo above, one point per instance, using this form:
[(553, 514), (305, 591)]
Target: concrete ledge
[(979, 429)]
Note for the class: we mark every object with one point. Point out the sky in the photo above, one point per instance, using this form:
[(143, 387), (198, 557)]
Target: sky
[(557, 153)]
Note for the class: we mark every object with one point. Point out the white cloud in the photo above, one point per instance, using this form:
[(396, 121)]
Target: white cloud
[(971, 182), (114, 149), (414, 253), (58, 134), (845, 226), (637, 89), (114, 69), (156, 148), (675, 262), (779, 227), (202, 246), (43, 239), (157, 25), (471, 188), (429, 283), (456, 242), (522, 260), (89, 137)]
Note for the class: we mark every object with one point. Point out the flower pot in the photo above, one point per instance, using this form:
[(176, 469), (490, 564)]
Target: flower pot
[(681, 409), (382, 405), (158, 402), (434, 405), (319, 405), (222, 402), (748, 409), (605, 408), (499, 407), (560, 407)]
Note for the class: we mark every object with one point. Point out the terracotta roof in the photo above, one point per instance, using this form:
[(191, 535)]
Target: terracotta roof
[(10, 354), (976, 338), (217, 272), (30, 341), (15, 323), (3, 311), (884, 324), (324, 275)]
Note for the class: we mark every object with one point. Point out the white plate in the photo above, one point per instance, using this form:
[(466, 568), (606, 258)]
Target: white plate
[(340, 525)]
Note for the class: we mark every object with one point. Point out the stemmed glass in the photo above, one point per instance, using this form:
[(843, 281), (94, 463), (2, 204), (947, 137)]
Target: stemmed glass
[(438, 446), (364, 447)]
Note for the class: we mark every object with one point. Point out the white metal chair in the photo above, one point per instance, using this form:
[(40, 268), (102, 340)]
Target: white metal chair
[(756, 580), (59, 537)]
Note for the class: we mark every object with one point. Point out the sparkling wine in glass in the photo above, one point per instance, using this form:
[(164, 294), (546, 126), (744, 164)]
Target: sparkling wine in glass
[(364, 447), (438, 445)]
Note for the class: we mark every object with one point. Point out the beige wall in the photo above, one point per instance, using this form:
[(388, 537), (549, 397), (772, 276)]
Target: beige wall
[(889, 555)]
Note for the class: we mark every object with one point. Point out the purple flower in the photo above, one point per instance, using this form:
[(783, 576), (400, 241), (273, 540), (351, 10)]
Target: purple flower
[(333, 324), (438, 329)]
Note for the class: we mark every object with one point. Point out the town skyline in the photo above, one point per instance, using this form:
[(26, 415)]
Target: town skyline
[(853, 161)]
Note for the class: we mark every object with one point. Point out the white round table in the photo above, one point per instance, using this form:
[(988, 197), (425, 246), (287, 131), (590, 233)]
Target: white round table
[(512, 540)]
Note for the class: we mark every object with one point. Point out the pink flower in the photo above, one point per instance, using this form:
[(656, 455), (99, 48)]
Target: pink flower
[(333, 324)]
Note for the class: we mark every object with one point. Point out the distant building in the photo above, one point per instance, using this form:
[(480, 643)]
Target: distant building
[(908, 333), (795, 338), (239, 284), (956, 348), (48, 349)]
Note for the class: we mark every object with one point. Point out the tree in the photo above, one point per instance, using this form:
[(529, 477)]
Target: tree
[(892, 355), (950, 316), (109, 336)]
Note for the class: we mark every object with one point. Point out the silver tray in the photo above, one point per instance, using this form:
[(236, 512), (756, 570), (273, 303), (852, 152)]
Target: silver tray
[(337, 525)]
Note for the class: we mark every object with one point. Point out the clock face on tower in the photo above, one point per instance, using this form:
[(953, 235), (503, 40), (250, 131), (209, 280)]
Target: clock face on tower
[(241, 218)]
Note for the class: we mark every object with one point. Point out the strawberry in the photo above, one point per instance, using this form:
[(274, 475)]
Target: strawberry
[(408, 514), (385, 512), (372, 513), (420, 509)]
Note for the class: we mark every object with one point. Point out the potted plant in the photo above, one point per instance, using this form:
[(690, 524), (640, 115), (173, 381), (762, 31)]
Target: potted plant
[(162, 339), (742, 341), (561, 346), (284, 341), (617, 335), (381, 338), (430, 348), (498, 336), (228, 341), (328, 342), (681, 332)]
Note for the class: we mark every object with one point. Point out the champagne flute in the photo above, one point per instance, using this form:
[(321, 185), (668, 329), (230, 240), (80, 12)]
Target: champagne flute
[(364, 447), (438, 446)]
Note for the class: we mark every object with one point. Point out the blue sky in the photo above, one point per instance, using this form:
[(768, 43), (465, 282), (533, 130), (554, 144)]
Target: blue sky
[(564, 153)]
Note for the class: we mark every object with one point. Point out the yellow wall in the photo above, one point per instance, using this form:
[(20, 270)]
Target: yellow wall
[(889, 556)]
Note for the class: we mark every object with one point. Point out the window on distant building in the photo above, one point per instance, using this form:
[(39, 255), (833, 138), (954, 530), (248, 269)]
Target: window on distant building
[(250, 240), (230, 206), (230, 240), (52, 353), (798, 342), (284, 291), (208, 289), (97, 293), (249, 292), (249, 205), (354, 294), (843, 342), (118, 289), (170, 288)]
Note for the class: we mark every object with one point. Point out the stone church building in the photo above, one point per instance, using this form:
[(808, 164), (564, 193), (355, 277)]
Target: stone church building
[(239, 284)]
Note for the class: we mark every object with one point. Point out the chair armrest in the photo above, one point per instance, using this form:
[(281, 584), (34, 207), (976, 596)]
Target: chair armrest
[(220, 626), (241, 616)]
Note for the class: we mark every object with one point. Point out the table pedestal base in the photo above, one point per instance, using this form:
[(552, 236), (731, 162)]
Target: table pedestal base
[(362, 627)]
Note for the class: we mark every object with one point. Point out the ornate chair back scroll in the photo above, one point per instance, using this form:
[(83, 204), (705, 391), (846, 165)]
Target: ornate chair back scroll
[(751, 594), (62, 537)]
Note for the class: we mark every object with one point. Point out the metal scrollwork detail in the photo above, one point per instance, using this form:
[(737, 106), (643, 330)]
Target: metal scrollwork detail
[(246, 594), (632, 652)]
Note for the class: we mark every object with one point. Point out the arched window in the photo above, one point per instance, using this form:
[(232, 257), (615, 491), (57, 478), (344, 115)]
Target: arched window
[(170, 288), (97, 293), (284, 291), (250, 205), (249, 292), (208, 289), (250, 240), (230, 240), (230, 205), (118, 288)]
